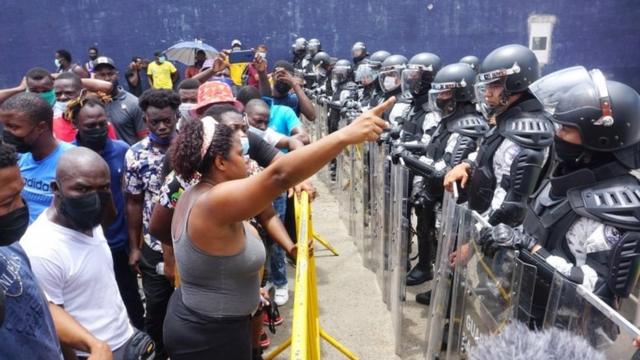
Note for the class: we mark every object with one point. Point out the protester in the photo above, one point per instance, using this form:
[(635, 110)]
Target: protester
[(89, 116), (283, 82), (161, 72), (70, 256), (257, 113), (217, 156), (27, 121), (142, 185), (191, 70), (64, 64), (38, 81), (68, 86), (253, 77), (93, 55), (123, 110), (136, 75), (188, 92), (27, 330)]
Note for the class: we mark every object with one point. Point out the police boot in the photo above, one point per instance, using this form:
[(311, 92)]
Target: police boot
[(423, 271), (424, 298)]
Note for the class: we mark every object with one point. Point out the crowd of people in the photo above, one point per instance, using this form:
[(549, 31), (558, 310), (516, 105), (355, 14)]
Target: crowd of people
[(186, 184)]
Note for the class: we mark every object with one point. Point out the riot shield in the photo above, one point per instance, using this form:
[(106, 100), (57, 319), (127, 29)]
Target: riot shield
[(372, 253), (321, 130), (381, 245), (572, 307), (385, 223), (343, 178), (358, 177), (438, 313), (488, 291)]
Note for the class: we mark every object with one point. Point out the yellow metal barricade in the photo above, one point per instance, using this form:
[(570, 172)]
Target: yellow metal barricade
[(306, 330)]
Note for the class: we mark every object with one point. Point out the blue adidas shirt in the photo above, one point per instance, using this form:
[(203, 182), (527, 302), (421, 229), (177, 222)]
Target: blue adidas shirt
[(38, 176)]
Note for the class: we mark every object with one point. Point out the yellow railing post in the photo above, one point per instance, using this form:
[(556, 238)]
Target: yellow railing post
[(306, 330)]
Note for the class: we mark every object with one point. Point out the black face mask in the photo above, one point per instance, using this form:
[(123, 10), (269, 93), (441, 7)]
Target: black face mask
[(282, 88), (19, 143), (13, 225), (567, 152), (95, 139), (85, 212)]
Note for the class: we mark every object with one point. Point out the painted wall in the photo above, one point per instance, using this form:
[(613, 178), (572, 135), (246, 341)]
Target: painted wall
[(594, 33)]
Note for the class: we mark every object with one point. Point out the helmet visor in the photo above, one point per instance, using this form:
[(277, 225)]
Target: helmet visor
[(340, 73), (411, 81), (366, 74), (390, 79), (442, 101), (551, 88), (491, 96)]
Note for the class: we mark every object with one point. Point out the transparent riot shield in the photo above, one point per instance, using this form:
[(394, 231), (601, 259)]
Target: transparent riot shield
[(358, 195), (321, 130), (385, 223), (438, 314), (382, 200), (572, 307), (343, 178), (372, 253), (488, 291), (405, 315)]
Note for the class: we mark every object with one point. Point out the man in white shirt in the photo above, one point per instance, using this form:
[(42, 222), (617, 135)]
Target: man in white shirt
[(71, 258)]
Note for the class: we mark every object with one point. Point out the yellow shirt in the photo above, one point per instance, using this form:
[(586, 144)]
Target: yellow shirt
[(161, 74), (236, 71)]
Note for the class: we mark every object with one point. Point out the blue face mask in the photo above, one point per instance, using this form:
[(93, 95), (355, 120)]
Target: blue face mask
[(245, 145), (161, 141)]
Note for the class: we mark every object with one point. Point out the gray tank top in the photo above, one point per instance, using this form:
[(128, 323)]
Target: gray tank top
[(220, 285)]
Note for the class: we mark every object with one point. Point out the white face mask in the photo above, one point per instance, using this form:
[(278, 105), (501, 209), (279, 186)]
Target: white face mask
[(59, 107), (390, 83), (259, 132), (185, 111)]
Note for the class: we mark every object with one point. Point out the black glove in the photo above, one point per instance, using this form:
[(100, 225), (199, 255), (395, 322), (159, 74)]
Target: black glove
[(510, 213), (503, 236)]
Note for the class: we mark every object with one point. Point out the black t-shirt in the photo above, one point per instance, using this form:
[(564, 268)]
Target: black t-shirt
[(261, 151)]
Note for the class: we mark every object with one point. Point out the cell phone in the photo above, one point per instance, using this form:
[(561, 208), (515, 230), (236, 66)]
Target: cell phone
[(242, 56)]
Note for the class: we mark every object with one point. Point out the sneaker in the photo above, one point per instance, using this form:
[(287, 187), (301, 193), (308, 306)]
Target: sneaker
[(282, 295), (279, 320), (264, 340)]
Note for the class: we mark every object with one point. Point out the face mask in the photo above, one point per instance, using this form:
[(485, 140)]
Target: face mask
[(57, 62), (13, 225), (320, 72), (185, 111), (161, 141), (95, 139), (19, 143), (93, 56), (567, 152), (161, 59), (59, 107), (258, 132), (245, 145), (282, 88), (49, 97), (389, 83), (85, 212)]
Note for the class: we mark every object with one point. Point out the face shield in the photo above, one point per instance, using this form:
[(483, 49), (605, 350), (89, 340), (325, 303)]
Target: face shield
[(390, 78), (553, 87), (320, 72), (340, 74), (366, 74), (442, 97), (357, 52), (412, 79), (491, 92)]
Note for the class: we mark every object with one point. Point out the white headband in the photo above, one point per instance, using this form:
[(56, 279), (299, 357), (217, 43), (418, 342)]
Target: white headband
[(209, 128)]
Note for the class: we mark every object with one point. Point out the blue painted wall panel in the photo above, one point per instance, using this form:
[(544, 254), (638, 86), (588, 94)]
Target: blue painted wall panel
[(595, 33)]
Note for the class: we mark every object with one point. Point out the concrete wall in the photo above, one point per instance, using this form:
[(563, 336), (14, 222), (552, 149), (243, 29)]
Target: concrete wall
[(595, 33)]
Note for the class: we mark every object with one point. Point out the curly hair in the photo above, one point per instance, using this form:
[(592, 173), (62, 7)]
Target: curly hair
[(159, 98), (185, 151), (8, 156)]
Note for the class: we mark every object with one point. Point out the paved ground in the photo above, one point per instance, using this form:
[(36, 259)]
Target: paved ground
[(351, 307)]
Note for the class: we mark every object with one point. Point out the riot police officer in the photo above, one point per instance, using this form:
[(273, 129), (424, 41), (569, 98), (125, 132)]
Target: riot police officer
[(415, 84), (299, 50), (472, 60), (510, 161), (322, 64), (344, 90), (367, 75), (358, 53), (585, 220), (450, 138), (390, 80), (313, 47)]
